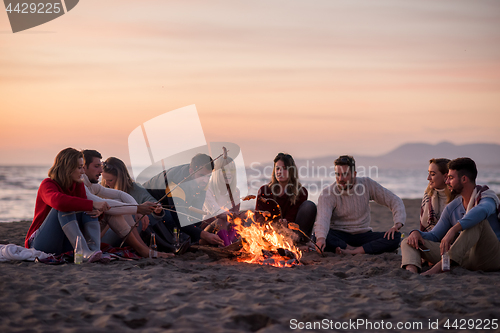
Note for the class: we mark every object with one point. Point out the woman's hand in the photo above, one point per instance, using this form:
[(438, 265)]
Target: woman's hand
[(101, 206), (211, 238)]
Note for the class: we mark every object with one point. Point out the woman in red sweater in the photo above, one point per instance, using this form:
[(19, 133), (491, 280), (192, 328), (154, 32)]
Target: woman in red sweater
[(285, 190), (63, 212)]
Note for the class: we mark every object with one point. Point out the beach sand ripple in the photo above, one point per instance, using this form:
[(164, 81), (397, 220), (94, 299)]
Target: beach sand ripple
[(193, 293)]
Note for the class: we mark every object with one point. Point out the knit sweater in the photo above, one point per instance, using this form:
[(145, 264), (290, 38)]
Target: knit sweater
[(349, 210), (431, 209), (121, 203), (51, 195)]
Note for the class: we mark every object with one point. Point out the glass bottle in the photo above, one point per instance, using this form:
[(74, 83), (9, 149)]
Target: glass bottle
[(445, 262), (153, 250), (78, 250)]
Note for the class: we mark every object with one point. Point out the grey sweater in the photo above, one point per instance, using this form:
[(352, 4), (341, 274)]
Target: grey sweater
[(349, 210)]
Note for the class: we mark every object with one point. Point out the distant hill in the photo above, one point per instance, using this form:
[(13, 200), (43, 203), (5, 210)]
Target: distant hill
[(417, 155)]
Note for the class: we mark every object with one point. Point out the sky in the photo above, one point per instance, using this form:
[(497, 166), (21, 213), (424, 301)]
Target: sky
[(310, 78)]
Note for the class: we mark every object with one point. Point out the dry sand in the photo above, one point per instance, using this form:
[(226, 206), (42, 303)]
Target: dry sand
[(192, 293)]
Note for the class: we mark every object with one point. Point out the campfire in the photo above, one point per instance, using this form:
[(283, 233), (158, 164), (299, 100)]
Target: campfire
[(266, 242), (262, 241)]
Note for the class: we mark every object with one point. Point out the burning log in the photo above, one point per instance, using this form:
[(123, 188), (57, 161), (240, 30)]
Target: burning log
[(231, 251), (263, 241), (286, 253)]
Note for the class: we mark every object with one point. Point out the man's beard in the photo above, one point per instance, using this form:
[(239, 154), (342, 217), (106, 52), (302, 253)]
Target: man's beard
[(346, 186), (458, 190), (93, 180)]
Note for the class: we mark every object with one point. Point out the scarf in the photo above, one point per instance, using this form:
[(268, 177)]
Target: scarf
[(430, 211), (483, 192)]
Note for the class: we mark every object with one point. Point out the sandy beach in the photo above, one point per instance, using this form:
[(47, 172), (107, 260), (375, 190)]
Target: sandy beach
[(193, 293)]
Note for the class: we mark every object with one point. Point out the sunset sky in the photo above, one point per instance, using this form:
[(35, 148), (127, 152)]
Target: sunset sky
[(311, 78)]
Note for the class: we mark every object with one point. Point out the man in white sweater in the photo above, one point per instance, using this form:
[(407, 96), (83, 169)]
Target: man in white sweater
[(343, 221), (123, 206)]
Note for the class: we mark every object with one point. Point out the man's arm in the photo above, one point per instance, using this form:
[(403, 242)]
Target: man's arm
[(326, 205), (485, 208), (117, 207), (480, 212), (109, 193), (441, 228), (383, 196)]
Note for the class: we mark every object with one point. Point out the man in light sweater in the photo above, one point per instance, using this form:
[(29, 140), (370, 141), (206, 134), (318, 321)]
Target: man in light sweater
[(123, 206), (343, 220), (468, 230)]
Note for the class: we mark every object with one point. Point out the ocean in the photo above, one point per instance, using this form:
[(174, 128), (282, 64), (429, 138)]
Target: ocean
[(19, 185)]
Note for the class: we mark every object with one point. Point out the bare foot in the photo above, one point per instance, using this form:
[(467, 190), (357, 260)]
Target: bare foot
[(350, 250), (436, 269), (165, 255), (412, 268)]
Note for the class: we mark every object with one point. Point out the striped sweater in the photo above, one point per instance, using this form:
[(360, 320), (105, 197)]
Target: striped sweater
[(349, 210)]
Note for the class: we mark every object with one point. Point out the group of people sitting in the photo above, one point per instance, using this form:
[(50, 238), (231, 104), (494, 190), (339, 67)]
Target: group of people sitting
[(457, 217)]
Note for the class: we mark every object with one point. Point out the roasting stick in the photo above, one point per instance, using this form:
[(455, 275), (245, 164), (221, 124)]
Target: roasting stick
[(191, 208), (229, 191), (166, 194), (192, 173), (293, 226)]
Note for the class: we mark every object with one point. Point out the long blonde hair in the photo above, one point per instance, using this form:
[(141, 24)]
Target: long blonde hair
[(117, 168), (442, 164), (65, 163), (293, 176)]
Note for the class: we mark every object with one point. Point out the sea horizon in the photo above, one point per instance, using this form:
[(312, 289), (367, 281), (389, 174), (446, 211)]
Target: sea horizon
[(19, 185)]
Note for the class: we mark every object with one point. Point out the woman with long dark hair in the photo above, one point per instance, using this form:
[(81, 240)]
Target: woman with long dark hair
[(63, 212), (285, 197)]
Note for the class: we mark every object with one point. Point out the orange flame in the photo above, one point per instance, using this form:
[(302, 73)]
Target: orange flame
[(258, 237)]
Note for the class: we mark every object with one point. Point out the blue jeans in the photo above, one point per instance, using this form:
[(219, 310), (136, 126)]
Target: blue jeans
[(50, 238), (372, 242)]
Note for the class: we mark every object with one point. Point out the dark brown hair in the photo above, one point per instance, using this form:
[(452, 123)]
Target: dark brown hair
[(346, 160), (88, 156), (465, 167), (293, 176)]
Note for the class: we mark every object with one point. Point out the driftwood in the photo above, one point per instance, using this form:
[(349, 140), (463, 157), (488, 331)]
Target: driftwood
[(230, 251)]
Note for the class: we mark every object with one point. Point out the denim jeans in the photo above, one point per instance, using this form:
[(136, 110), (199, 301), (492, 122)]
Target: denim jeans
[(372, 242), (50, 238)]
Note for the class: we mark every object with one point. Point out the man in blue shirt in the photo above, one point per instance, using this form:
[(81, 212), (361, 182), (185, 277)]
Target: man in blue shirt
[(472, 216)]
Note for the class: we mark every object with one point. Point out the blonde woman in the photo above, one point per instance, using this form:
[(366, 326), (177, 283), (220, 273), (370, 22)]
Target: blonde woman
[(63, 212), (436, 196), (115, 175)]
